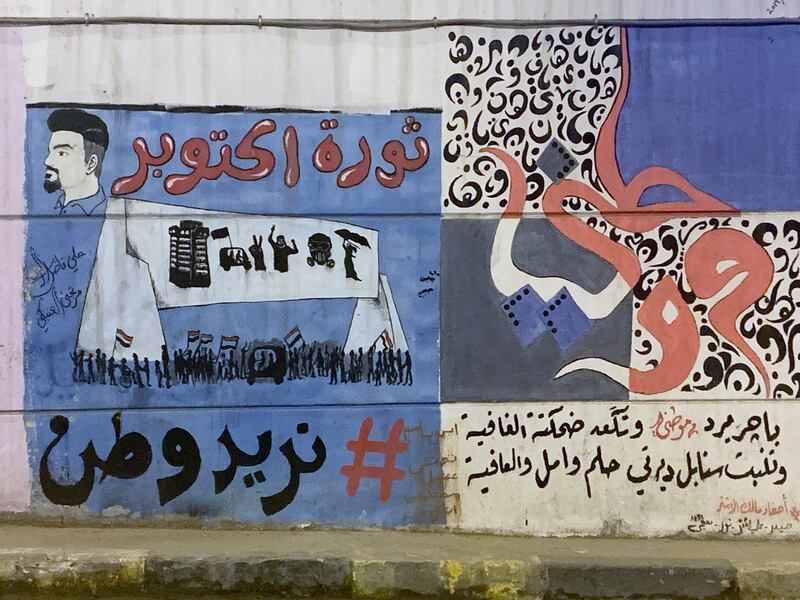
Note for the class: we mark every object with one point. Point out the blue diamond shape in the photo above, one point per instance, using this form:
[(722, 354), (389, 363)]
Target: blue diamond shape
[(562, 317), (521, 311)]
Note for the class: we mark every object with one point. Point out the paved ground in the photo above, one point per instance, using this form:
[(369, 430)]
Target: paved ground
[(149, 562)]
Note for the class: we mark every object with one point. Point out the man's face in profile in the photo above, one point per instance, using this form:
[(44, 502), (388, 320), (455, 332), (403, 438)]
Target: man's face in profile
[(65, 164)]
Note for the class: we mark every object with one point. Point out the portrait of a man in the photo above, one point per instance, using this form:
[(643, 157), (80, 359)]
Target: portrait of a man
[(78, 143)]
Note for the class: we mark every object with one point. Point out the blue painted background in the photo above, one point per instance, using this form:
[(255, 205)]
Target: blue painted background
[(409, 249), (321, 498), (719, 106)]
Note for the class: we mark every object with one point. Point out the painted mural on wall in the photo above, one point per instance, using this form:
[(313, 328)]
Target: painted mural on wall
[(564, 304), (197, 279), (627, 219), (605, 271)]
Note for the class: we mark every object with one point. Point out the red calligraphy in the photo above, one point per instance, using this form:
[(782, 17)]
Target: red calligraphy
[(358, 172), (395, 154), (132, 183), (675, 428), (195, 153), (292, 173), (712, 262), (715, 259), (327, 155)]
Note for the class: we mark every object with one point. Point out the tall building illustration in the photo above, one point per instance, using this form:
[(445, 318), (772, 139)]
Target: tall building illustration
[(188, 255)]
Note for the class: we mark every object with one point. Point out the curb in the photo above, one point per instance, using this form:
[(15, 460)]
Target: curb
[(626, 578), (135, 574)]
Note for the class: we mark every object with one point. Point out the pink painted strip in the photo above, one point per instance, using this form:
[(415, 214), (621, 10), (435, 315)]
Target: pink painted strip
[(15, 485)]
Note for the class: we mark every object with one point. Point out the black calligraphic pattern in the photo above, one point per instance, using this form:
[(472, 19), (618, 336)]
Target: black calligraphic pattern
[(131, 456), (770, 327), (519, 93)]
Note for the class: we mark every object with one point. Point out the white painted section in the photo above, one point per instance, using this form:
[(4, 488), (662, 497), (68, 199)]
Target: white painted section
[(669, 313), (557, 503), (133, 278), (618, 373), (416, 9), (15, 484), (209, 66), (120, 296), (177, 65), (373, 317)]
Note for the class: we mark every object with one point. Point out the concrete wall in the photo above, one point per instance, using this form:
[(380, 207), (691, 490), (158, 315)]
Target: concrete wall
[(545, 279)]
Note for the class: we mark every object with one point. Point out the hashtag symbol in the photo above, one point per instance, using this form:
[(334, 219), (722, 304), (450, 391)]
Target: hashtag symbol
[(388, 473)]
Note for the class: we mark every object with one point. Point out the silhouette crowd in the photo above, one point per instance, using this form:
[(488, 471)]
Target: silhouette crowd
[(378, 367), (202, 365)]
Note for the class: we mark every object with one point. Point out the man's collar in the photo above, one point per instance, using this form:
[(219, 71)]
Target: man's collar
[(85, 206)]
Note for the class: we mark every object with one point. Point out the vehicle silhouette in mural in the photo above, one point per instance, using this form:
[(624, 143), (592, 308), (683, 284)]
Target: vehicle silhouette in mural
[(232, 256), (266, 361)]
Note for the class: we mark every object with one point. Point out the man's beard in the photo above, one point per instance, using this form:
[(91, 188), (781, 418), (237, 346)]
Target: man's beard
[(51, 185)]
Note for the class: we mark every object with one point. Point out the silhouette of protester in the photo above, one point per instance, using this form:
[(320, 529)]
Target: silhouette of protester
[(409, 374), (281, 251), (351, 243), (77, 359), (112, 369), (258, 253)]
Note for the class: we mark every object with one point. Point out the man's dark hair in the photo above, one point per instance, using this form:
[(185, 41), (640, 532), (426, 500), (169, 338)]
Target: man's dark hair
[(91, 127)]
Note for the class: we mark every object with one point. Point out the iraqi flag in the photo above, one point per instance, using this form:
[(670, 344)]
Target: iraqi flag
[(229, 342), (123, 339), (293, 337), (386, 339), (192, 336), (206, 338)]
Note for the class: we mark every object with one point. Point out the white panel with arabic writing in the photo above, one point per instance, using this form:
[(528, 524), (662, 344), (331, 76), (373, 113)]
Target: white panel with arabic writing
[(623, 469)]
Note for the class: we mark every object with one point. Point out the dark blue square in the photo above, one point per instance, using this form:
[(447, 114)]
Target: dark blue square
[(521, 311), (562, 317), (556, 161)]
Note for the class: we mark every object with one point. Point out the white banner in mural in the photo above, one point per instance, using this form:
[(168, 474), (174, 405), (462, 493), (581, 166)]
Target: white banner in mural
[(153, 256)]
